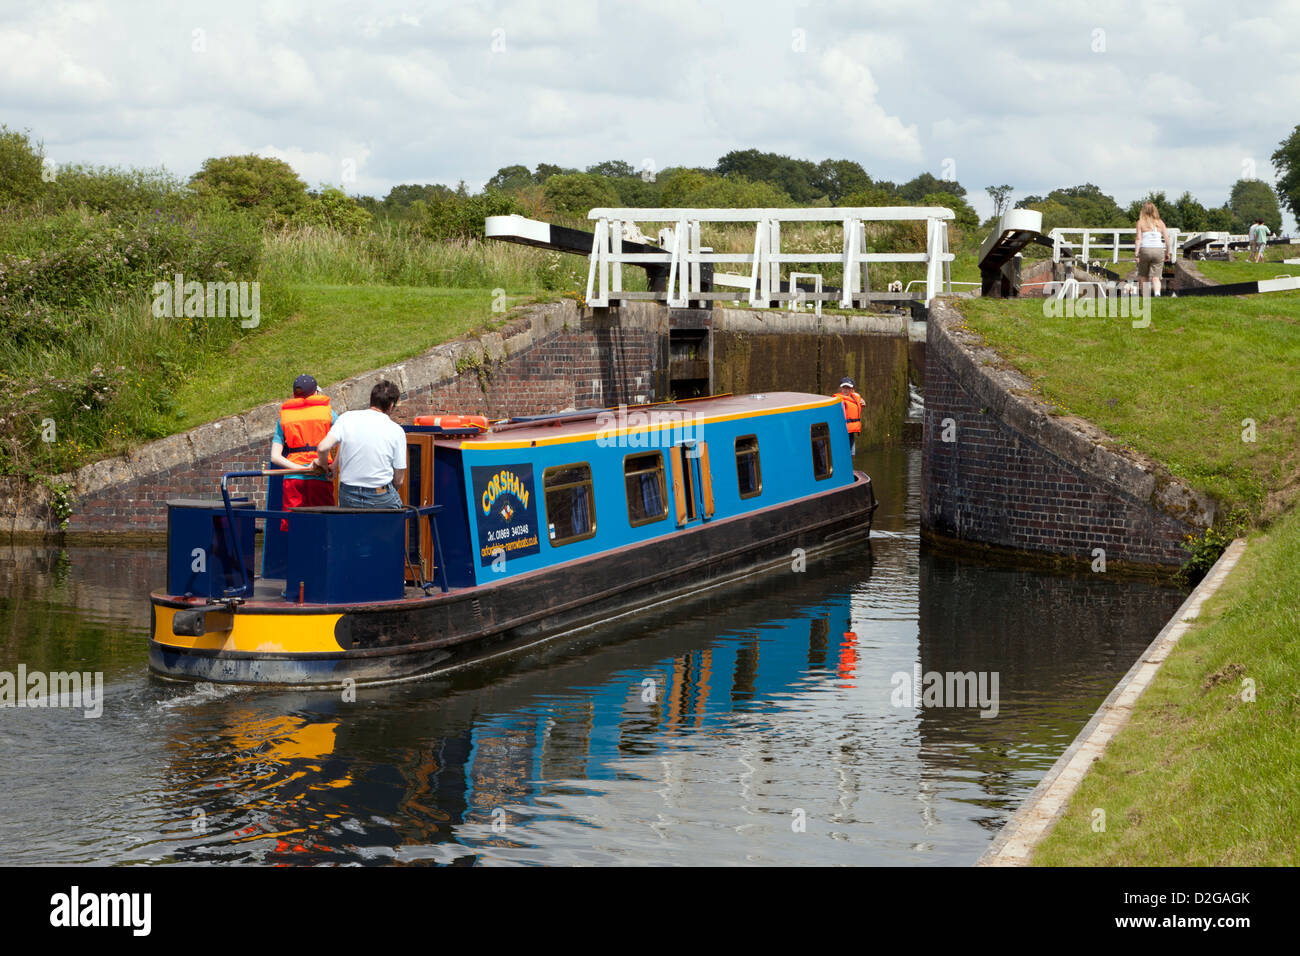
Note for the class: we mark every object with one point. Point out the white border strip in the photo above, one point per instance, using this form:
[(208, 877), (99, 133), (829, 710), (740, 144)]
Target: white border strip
[(1015, 844)]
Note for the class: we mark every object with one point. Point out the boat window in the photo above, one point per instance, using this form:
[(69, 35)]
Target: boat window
[(647, 497), (821, 451), (748, 474), (570, 503)]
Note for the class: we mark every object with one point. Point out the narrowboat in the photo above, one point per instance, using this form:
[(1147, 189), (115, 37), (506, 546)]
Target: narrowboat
[(511, 535)]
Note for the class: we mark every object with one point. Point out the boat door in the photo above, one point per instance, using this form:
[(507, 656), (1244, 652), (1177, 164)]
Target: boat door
[(692, 482), (416, 488)]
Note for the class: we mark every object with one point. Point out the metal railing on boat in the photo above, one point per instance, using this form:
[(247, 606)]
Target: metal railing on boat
[(244, 589)]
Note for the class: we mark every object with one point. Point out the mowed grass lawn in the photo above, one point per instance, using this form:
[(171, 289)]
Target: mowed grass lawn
[(1239, 270), (338, 331), (1181, 391), (1203, 775)]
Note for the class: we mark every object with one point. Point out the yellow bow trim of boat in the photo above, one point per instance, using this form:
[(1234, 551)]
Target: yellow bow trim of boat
[(264, 633)]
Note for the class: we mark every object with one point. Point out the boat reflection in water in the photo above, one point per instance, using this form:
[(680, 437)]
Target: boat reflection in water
[(762, 726)]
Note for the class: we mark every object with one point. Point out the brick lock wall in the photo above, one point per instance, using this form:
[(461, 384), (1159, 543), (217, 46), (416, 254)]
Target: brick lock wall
[(595, 359), (138, 506), (997, 485)]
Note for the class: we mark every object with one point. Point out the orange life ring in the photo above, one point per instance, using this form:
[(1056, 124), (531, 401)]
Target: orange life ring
[(453, 421)]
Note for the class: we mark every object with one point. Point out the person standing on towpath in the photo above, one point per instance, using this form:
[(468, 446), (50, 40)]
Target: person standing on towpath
[(1258, 240)]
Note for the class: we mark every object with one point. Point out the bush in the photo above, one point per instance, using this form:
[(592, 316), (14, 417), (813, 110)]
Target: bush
[(80, 347), (964, 216), (334, 209), (689, 187), (575, 194), (69, 260), (20, 168), (123, 193), (261, 184), (461, 217)]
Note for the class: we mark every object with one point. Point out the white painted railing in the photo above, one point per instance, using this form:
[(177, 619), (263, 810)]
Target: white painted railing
[(1223, 240), (684, 255), (1094, 242)]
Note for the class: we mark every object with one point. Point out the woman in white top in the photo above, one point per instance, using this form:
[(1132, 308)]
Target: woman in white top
[(1153, 246)]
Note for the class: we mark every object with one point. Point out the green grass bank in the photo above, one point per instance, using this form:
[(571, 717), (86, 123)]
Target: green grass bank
[(334, 332), (1206, 771), (1209, 388), (1203, 774)]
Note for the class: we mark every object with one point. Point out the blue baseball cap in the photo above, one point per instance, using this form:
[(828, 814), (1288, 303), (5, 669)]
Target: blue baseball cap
[(304, 385)]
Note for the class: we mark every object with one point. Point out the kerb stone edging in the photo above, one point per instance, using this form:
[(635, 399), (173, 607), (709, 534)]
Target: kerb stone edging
[(1016, 842), (1008, 395)]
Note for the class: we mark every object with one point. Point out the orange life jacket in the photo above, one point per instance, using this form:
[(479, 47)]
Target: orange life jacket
[(852, 411), (305, 422)]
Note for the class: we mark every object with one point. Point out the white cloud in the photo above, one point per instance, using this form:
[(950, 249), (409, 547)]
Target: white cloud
[(864, 120), (1180, 95), (40, 68)]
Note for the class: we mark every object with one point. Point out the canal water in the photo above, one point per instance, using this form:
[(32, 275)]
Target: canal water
[(772, 723)]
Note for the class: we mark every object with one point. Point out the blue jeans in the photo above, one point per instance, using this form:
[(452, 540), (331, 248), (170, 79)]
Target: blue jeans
[(354, 496)]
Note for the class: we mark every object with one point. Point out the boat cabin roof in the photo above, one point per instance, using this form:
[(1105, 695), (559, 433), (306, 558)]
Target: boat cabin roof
[(588, 425)]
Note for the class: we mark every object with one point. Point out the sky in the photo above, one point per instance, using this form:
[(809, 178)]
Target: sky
[(1131, 96)]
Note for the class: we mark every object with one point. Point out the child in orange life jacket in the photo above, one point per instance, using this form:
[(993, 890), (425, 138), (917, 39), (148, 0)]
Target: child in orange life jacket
[(304, 420), (853, 405)]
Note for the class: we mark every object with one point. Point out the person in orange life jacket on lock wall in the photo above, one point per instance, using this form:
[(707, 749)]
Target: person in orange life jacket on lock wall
[(305, 419), (853, 405)]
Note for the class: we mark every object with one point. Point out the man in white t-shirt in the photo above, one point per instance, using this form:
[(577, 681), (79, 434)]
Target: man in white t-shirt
[(372, 452)]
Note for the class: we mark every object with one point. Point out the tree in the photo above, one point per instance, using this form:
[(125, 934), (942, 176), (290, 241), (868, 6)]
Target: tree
[(1218, 220), (635, 191), (252, 182), (1056, 215), (1187, 214), (1001, 199), (1157, 198), (1287, 162), (796, 178), (836, 178), (401, 196), (1077, 206), (612, 168), (965, 216), (1253, 199), (914, 189), (510, 177), (20, 167), (574, 194), (545, 171)]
